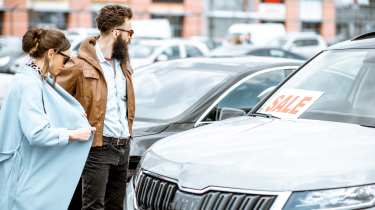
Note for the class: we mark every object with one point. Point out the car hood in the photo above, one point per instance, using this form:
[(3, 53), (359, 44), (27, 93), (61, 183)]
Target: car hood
[(139, 62), (144, 128), (267, 155)]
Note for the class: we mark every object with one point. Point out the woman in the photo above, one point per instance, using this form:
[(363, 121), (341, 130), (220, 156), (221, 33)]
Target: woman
[(44, 134)]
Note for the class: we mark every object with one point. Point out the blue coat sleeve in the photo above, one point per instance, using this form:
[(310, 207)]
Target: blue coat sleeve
[(34, 121)]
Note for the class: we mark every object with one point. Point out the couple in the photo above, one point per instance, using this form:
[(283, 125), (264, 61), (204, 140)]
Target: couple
[(57, 124)]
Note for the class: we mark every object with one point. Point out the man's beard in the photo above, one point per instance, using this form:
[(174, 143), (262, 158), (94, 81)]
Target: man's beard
[(120, 51)]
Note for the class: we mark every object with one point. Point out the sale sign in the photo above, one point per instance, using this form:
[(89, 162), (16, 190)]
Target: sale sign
[(290, 103)]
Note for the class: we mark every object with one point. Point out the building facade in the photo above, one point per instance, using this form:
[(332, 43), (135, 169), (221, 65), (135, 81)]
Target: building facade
[(354, 17), (296, 15), (187, 17)]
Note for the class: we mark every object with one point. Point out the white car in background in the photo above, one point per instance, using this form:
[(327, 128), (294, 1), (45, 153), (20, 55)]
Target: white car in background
[(146, 52), (260, 33), (307, 44)]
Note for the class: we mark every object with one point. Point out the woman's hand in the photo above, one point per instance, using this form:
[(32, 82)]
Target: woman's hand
[(82, 134)]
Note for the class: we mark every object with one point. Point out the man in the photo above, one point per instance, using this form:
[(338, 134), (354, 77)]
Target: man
[(101, 80)]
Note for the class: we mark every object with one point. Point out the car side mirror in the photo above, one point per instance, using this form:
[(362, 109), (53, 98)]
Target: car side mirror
[(226, 113), (162, 57)]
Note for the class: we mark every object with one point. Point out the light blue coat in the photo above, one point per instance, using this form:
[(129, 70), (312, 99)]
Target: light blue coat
[(39, 170)]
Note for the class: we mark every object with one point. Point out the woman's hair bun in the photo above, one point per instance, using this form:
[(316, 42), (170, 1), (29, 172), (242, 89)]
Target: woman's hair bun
[(31, 40)]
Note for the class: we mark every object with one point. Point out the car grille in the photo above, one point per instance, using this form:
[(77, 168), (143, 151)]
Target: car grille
[(156, 194)]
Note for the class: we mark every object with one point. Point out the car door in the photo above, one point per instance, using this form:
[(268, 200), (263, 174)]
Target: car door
[(245, 94)]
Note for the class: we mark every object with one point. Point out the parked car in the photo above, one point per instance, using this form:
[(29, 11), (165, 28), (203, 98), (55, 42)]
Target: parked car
[(146, 52), (176, 96), (10, 49), (145, 29), (211, 43), (307, 44), (308, 145), (242, 50), (259, 33)]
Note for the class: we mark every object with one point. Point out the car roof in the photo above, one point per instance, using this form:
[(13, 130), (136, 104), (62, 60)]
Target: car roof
[(234, 65), (294, 35), (237, 50), (354, 44)]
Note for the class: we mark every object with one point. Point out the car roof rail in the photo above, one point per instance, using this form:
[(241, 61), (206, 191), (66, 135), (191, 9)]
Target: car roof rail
[(369, 35)]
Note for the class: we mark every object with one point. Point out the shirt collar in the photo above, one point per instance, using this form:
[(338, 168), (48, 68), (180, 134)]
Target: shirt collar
[(99, 53)]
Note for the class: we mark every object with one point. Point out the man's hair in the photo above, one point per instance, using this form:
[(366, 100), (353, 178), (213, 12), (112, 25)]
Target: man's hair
[(112, 16)]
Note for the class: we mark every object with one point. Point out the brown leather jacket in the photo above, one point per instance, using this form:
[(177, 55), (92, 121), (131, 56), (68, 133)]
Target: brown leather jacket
[(83, 78)]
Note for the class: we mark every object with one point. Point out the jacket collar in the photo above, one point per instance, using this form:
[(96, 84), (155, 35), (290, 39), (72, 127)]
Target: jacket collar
[(87, 52)]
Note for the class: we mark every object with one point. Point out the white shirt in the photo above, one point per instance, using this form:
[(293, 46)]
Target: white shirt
[(115, 121)]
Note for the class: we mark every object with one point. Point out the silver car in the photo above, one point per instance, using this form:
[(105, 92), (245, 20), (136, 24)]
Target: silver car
[(310, 144)]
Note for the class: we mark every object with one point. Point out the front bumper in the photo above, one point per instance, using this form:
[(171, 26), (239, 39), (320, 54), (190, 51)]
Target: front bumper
[(192, 197)]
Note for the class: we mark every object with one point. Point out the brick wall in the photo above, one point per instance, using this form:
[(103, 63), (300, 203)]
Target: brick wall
[(15, 23), (329, 20), (193, 22), (292, 20), (80, 15), (140, 8)]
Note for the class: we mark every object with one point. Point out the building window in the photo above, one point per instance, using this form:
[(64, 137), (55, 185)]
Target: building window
[(232, 5), (168, 1), (48, 19), (175, 21), (311, 27)]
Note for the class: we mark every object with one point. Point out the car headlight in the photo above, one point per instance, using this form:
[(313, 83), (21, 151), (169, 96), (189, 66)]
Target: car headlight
[(4, 60), (343, 198)]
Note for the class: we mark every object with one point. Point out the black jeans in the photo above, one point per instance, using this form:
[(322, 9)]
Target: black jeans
[(104, 178)]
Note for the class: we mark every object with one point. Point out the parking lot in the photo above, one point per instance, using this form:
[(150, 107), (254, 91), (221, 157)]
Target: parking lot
[(264, 109)]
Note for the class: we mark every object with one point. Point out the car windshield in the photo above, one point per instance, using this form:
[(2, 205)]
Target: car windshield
[(165, 91), (141, 50), (338, 85)]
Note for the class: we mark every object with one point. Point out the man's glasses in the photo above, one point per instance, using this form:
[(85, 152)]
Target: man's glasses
[(131, 32), (66, 57)]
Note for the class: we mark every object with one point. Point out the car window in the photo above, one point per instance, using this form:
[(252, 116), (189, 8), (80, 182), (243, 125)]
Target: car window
[(192, 51), (245, 96), (172, 52), (141, 50), (277, 53), (292, 55), (164, 92), (305, 42), (261, 52), (335, 86)]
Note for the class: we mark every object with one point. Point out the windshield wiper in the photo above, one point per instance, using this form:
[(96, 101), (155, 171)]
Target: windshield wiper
[(368, 126), (258, 114)]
